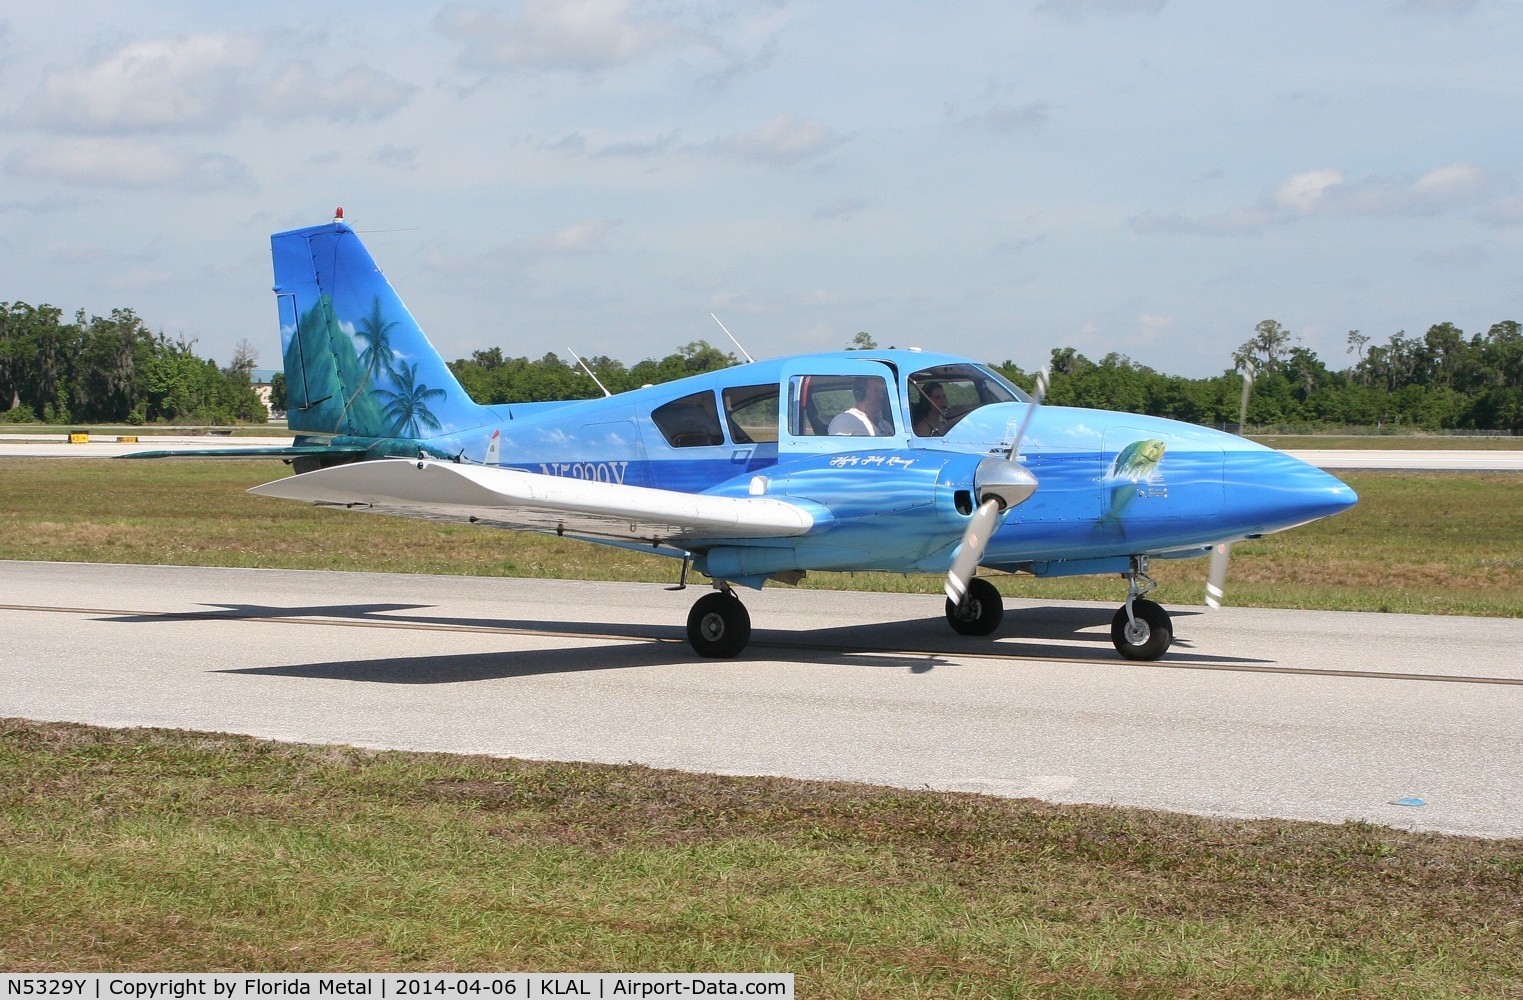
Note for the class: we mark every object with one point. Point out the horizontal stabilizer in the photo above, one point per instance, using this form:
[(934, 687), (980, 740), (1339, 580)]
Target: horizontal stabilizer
[(510, 498)]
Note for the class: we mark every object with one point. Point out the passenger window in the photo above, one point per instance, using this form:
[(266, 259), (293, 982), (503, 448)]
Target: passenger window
[(751, 412), (689, 422)]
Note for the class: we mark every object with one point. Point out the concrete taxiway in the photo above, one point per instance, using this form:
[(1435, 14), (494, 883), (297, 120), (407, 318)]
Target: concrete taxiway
[(1311, 715)]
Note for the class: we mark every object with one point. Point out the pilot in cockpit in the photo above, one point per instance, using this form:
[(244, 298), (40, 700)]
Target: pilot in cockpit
[(868, 417), (929, 415)]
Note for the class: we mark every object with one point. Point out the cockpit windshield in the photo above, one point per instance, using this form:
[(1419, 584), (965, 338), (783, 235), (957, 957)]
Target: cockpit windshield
[(943, 395)]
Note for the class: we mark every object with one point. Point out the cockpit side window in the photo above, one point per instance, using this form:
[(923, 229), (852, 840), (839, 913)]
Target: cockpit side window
[(839, 405), (689, 422), (939, 397)]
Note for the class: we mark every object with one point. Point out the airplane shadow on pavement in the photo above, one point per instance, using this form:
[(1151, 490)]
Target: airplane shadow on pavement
[(920, 645)]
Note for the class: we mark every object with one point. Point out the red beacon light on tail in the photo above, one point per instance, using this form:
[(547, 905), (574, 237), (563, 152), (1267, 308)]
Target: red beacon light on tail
[(338, 215)]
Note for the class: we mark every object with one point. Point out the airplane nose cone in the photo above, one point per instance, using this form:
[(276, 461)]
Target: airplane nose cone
[(1281, 491), (1327, 493)]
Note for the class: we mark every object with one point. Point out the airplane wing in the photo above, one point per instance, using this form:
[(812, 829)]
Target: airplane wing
[(511, 498)]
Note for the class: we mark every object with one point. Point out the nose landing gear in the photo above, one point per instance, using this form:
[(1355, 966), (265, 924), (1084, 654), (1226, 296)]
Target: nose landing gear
[(1141, 629), (980, 610)]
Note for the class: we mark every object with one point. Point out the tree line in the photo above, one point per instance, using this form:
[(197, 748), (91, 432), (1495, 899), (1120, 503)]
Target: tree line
[(113, 369), (1441, 381)]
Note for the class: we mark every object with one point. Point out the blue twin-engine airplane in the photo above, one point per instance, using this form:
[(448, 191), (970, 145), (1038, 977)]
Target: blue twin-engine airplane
[(894, 460)]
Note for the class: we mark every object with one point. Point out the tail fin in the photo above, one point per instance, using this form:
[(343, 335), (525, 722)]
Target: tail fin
[(356, 362)]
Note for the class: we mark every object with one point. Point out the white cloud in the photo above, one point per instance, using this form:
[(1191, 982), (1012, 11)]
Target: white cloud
[(130, 164), (598, 144), (358, 94), (174, 84), (782, 141), (574, 35), (205, 82), (1329, 192), (571, 241), (1306, 192)]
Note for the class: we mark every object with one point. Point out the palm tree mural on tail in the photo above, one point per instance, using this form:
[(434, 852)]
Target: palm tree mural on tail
[(331, 378), (408, 405), (374, 331)]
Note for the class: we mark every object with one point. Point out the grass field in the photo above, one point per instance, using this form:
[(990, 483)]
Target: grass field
[(1443, 543), (150, 850)]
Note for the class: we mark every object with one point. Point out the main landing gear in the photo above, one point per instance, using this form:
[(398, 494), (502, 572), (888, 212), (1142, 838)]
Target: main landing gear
[(719, 625)]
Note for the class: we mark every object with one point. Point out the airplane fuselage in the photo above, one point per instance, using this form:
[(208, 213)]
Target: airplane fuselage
[(1112, 485)]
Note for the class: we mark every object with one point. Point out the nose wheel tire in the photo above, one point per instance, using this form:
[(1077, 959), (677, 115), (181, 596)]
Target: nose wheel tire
[(1146, 638), (719, 625), (980, 610)]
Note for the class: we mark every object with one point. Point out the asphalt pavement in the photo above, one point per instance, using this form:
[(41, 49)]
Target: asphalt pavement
[(1409, 721)]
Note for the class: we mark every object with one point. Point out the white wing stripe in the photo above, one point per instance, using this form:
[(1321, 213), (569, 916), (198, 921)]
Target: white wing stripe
[(446, 490)]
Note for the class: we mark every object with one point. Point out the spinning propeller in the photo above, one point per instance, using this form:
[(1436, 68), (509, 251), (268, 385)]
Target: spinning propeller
[(999, 484), (1216, 578)]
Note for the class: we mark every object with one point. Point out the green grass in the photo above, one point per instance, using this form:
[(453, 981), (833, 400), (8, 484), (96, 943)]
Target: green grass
[(150, 850), (1443, 543)]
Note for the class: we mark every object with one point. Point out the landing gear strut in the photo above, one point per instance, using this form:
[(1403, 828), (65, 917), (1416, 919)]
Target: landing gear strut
[(719, 625), (1141, 629), (980, 610)]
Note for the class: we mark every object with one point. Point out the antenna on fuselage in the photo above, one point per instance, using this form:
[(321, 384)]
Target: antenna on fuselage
[(589, 372), (745, 353)]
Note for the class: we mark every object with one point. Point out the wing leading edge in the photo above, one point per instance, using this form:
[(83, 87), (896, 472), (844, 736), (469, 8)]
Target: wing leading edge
[(510, 498)]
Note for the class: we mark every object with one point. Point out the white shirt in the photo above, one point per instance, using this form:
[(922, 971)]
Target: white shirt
[(854, 422)]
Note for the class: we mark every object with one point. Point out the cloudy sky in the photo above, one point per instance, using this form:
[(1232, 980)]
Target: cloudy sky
[(1151, 177)]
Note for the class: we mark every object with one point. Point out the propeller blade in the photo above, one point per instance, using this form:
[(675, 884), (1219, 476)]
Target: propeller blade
[(974, 540), (1216, 578), (1038, 393), (1002, 485)]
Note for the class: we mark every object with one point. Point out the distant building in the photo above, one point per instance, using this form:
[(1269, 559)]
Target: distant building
[(262, 379)]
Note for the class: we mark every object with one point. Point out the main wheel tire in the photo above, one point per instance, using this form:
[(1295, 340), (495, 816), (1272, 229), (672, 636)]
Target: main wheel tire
[(1148, 638), (980, 611), (719, 625)]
